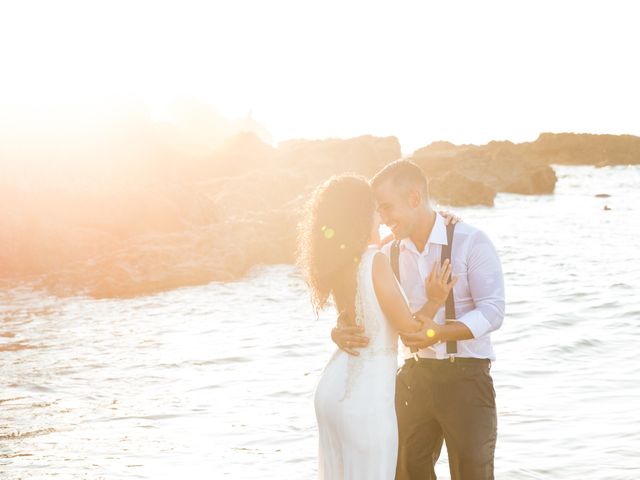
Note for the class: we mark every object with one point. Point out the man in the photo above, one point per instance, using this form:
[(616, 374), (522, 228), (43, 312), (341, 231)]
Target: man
[(439, 395)]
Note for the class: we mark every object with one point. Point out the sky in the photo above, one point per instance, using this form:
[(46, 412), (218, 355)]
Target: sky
[(462, 71)]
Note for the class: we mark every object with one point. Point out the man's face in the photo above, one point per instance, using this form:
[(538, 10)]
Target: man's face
[(396, 208)]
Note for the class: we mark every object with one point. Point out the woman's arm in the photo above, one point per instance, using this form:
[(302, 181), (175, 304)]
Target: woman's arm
[(391, 300), (437, 287)]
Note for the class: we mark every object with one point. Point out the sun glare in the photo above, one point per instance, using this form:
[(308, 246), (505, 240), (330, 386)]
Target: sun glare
[(422, 71)]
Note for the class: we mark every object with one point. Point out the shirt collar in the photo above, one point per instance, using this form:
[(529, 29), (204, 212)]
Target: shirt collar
[(438, 235)]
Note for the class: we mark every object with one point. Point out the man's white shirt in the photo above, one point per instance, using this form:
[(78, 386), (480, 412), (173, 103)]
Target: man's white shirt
[(478, 293)]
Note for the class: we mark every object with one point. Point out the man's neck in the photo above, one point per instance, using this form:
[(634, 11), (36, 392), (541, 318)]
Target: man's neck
[(422, 231)]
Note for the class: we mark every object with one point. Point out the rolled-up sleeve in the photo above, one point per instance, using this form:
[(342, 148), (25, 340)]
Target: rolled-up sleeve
[(486, 284)]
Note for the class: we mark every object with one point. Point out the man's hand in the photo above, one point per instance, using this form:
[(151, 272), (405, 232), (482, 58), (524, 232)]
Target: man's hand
[(348, 338), (428, 335)]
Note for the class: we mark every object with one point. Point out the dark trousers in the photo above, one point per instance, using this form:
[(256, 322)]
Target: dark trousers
[(439, 400)]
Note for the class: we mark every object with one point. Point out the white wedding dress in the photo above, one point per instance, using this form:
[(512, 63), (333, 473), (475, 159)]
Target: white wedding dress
[(354, 399)]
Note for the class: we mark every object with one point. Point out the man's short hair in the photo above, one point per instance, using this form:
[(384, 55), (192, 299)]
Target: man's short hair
[(403, 174)]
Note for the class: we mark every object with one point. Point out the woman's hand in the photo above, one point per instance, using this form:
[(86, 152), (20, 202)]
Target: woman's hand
[(450, 218), (386, 239), (438, 284)]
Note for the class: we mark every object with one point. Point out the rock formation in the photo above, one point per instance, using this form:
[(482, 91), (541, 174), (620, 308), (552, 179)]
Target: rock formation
[(497, 166), (146, 217), (584, 149)]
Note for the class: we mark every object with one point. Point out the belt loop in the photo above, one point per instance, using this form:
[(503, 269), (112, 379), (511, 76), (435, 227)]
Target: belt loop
[(411, 361)]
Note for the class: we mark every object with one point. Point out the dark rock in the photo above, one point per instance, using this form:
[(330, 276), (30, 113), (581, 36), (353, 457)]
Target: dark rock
[(456, 189), (541, 180), (320, 159), (149, 218), (211, 220), (584, 149), (498, 165)]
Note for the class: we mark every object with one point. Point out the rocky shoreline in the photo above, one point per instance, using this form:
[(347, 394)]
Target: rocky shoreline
[(192, 220)]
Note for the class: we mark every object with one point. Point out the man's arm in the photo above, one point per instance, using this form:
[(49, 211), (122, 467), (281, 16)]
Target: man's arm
[(432, 332), (486, 284), (349, 338)]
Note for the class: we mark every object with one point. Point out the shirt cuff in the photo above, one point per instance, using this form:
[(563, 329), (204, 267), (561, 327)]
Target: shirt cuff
[(476, 322)]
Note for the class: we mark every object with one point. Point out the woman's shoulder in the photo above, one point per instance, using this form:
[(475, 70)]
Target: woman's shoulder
[(371, 261), (369, 253), (381, 269), (375, 255)]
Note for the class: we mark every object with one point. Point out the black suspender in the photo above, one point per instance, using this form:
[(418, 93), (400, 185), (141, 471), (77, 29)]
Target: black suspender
[(450, 306)]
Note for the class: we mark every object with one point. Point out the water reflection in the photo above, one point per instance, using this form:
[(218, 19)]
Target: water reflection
[(216, 381)]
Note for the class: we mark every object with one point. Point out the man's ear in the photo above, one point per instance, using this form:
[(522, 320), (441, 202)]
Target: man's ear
[(415, 198)]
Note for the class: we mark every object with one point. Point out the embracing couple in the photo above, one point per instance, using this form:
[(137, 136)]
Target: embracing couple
[(439, 287)]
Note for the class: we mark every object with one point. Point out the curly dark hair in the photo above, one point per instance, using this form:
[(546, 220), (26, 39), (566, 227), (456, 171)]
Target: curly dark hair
[(333, 234)]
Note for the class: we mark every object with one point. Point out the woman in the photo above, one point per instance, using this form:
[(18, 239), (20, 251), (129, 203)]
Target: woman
[(354, 399)]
